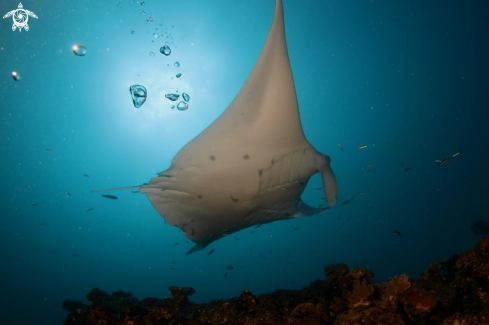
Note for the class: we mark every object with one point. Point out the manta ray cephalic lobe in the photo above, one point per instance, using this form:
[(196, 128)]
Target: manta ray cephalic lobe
[(251, 165)]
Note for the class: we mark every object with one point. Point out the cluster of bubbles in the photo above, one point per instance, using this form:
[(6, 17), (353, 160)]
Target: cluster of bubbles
[(15, 76), (138, 92)]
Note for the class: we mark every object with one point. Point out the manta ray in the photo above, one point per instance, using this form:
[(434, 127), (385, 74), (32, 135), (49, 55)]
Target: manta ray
[(251, 165)]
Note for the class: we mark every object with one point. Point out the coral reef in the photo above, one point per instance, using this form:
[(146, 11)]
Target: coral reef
[(453, 292)]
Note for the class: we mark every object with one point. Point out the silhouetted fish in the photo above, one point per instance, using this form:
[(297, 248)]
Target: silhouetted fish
[(407, 169), (444, 161), (49, 150), (112, 197), (185, 241), (175, 244), (27, 186), (235, 237), (86, 175), (225, 275), (34, 204), (229, 267), (456, 154), (398, 233), (296, 228), (361, 147), (212, 251), (137, 191), (344, 203), (339, 145), (68, 193), (90, 209), (43, 224), (76, 255)]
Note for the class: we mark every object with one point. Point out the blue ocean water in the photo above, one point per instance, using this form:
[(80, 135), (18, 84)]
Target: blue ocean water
[(407, 79)]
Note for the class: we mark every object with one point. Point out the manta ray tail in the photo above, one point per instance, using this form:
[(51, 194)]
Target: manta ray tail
[(194, 249), (116, 189)]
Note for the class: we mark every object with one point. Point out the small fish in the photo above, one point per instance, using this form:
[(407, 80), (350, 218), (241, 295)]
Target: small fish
[(34, 204), (444, 161), (136, 191), (229, 267), (172, 268), (185, 241), (258, 226), (368, 166), (86, 175), (233, 199), (212, 251), (341, 227), (438, 161), (235, 237), (361, 147), (407, 169), (285, 188), (112, 197), (397, 233), (296, 228), (90, 209), (225, 275), (364, 229), (43, 224), (76, 255), (359, 193), (339, 145), (319, 188), (456, 154), (252, 232), (49, 150), (320, 205), (346, 202), (68, 193), (27, 186), (351, 198), (175, 244), (61, 207), (173, 262)]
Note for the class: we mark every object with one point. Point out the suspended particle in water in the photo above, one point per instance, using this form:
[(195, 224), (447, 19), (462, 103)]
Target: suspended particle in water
[(142, 3), (178, 75), (186, 97), (182, 106), (165, 50), (172, 106), (172, 97), (132, 32), (143, 13), (152, 53), (151, 19), (136, 1), (176, 64), (138, 94), (15, 76), (155, 35), (79, 50)]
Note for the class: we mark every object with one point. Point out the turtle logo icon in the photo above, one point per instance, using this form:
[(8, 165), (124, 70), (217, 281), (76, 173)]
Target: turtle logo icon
[(20, 17)]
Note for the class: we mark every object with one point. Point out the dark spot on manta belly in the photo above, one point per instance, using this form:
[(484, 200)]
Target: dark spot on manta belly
[(212, 158), (199, 196), (246, 157), (233, 199)]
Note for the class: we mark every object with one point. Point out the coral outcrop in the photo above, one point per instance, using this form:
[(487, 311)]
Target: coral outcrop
[(453, 292)]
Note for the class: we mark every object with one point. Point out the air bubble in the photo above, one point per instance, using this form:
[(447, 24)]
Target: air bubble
[(172, 97), (138, 94), (165, 50), (186, 97), (79, 50), (182, 106)]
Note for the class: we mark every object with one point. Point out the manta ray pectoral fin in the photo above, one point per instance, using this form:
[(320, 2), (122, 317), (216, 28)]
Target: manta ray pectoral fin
[(194, 249), (116, 189), (304, 210), (329, 180)]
